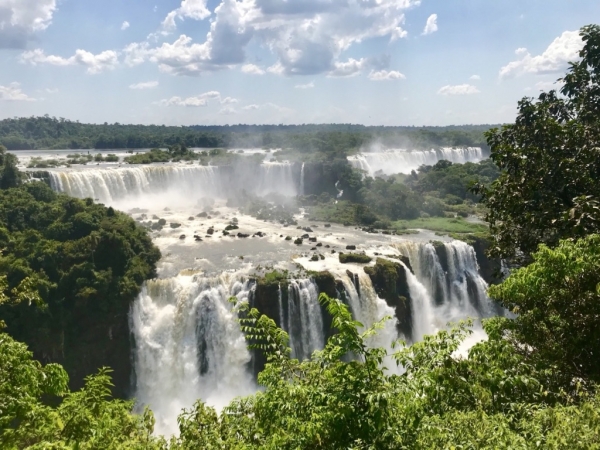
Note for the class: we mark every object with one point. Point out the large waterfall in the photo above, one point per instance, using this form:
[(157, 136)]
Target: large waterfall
[(179, 183), (392, 161), (189, 345)]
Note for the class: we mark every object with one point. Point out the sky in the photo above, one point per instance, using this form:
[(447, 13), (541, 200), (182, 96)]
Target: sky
[(214, 62)]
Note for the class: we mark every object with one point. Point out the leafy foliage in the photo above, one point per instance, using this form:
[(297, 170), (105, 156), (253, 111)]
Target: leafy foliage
[(550, 163), (86, 262)]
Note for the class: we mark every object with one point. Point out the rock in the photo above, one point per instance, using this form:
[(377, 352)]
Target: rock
[(314, 258), (197, 238), (328, 246), (259, 234), (359, 258), (298, 228), (313, 249), (308, 229), (231, 226), (243, 235), (182, 236), (319, 245), (312, 239), (202, 214), (154, 217), (191, 218), (211, 230), (350, 247), (305, 236), (332, 251), (327, 225), (174, 225), (225, 233), (288, 238), (298, 241), (321, 256)]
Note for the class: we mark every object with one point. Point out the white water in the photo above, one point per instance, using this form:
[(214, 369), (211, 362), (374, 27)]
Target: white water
[(189, 345), (439, 296), (392, 161), (172, 184), (302, 180), (305, 320)]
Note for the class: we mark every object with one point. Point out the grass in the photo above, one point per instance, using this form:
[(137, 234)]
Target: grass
[(440, 224)]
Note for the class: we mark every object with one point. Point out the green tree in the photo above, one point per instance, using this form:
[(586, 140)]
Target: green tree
[(557, 303), (549, 189)]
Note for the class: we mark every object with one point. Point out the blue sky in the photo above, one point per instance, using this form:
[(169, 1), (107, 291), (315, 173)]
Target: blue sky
[(375, 62)]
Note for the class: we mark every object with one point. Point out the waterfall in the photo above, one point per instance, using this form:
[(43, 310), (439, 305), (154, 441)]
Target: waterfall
[(450, 281), (188, 345), (302, 180), (110, 185), (275, 177), (394, 161), (305, 319)]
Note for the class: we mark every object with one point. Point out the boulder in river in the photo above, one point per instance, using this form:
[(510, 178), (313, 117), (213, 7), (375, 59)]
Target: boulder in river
[(350, 247)]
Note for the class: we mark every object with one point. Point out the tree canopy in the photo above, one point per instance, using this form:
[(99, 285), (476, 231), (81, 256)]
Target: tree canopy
[(550, 162)]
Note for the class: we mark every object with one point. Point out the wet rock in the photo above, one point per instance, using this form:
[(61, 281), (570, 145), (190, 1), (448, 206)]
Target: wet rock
[(350, 247), (154, 217), (174, 225), (231, 226), (259, 234), (312, 239), (332, 251), (197, 238), (319, 245), (313, 249), (327, 225), (314, 258), (202, 214), (308, 229), (225, 233), (321, 256), (182, 236), (243, 235), (298, 228), (328, 246), (298, 241), (211, 230), (305, 236), (288, 238)]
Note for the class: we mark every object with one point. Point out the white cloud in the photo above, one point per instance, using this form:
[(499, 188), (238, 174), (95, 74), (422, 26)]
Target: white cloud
[(227, 111), (197, 101), (350, 68), (106, 60), (21, 19), (13, 93), (51, 91), (228, 100), (384, 75), (461, 89), (431, 25), (192, 9), (144, 85), (306, 37), (305, 86), (475, 77), (555, 58), (252, 69), (251, 107), (124, 25)]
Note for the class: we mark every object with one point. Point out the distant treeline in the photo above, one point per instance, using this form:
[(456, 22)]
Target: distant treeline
[(29, 133)]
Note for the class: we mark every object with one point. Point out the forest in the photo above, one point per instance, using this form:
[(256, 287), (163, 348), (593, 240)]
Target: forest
[(532, 384), (58, 133)]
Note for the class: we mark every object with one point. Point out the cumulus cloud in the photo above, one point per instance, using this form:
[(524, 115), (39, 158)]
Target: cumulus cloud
[(385, 75), (475, 77), (227, 111), (13, 93), (305, 86), (431, 25), (144, 85), (252, 69), (460, 89), (251, 107), (228, 100), (106, 60), (124, 25), (306, 37), (555, 58), (350, 68), (193, 9), (21, 19), (197, 101)]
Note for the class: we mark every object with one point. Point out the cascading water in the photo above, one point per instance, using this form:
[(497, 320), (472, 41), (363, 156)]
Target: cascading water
[(394, 161), (110, 185), (275, 177), (188, 345), (305, 319), (302, 180), (450, 279)]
